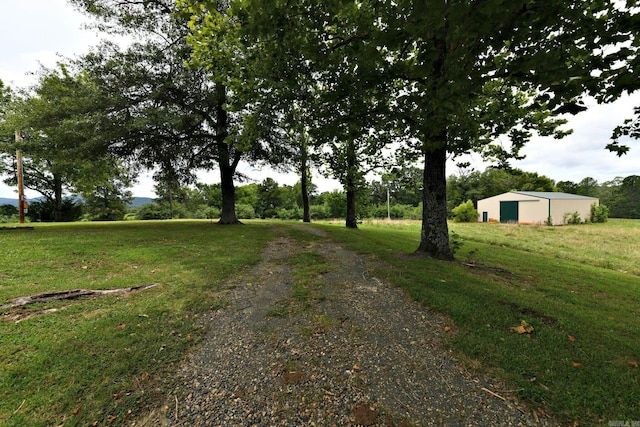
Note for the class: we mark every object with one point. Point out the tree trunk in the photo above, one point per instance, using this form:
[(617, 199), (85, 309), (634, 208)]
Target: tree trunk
[(304, 180), (57, 191), (228, 213), (351, 221), (434, 238), (170, 201), (306, 208), (226, 164)]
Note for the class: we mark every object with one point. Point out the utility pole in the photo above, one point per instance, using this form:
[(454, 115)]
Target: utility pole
[(21, 201)]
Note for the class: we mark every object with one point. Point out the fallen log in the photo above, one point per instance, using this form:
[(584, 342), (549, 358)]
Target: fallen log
[(70, 294)]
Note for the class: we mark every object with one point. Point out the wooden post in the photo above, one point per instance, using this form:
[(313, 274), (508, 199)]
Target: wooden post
[(20, 183)]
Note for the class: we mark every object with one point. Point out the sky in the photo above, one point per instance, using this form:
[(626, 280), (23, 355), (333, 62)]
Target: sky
[(41, 32)]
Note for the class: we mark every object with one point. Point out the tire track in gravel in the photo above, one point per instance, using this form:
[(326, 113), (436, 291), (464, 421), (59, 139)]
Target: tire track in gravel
[(362, 354)]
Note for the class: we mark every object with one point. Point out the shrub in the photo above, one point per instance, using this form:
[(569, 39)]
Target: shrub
[(336, 204), (319, 212), (8, 213), (295, 213), (245, 211), (378, 211), (416, 212), (599, 213), (465, 212), (207, 212), (153, 211), (455, 242), (572, 218), (8, 210), (401, 211), (45, 210), (269, 213)]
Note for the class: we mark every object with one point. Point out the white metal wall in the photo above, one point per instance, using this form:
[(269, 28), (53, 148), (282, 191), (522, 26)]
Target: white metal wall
[(535, 210)]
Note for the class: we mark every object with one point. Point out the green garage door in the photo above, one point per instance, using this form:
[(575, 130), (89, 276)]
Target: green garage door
[(509, 211)]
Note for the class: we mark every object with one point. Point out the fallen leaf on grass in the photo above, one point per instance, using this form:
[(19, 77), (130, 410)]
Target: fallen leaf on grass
[(577, 364), (523, 328), (144, 376), (121, 325), (447, 329), (291, 377), (632, 363), (572, 338), (77, 411)]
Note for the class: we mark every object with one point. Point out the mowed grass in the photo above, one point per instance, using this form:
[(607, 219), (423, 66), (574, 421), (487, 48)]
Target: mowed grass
[(613, 245), (98, 361), (578, 286)]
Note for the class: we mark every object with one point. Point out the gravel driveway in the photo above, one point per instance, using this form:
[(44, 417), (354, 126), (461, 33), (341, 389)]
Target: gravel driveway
[(359, 353)]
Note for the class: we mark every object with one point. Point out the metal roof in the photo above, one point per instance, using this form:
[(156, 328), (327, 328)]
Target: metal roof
[(553, 195)]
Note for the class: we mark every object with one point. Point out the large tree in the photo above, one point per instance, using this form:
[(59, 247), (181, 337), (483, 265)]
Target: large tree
[(460, 67), (625, 202), (57, 122), (168, 115)]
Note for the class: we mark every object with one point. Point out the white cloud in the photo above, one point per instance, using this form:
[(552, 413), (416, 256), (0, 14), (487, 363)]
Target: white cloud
[(583, 153), (35, 32)]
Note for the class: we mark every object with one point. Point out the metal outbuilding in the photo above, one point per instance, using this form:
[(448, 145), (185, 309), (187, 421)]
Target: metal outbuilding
[(534, 207)]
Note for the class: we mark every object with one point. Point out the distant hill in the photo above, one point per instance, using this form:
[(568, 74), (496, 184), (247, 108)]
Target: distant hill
[(139, 201), (7, 201), (135, 202)]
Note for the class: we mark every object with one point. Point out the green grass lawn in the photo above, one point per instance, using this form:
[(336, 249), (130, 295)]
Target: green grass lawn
[(579, 286), (103, 360)]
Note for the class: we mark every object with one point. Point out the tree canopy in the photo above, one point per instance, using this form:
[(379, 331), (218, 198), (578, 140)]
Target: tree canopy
[(450, 76), (171, 116), (56, 126)]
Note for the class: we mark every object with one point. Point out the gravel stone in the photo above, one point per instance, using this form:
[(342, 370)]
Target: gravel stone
[(374, 360)]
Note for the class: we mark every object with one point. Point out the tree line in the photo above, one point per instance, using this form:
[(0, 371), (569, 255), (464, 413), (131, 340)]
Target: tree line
[(396, 195), (344, 86)]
